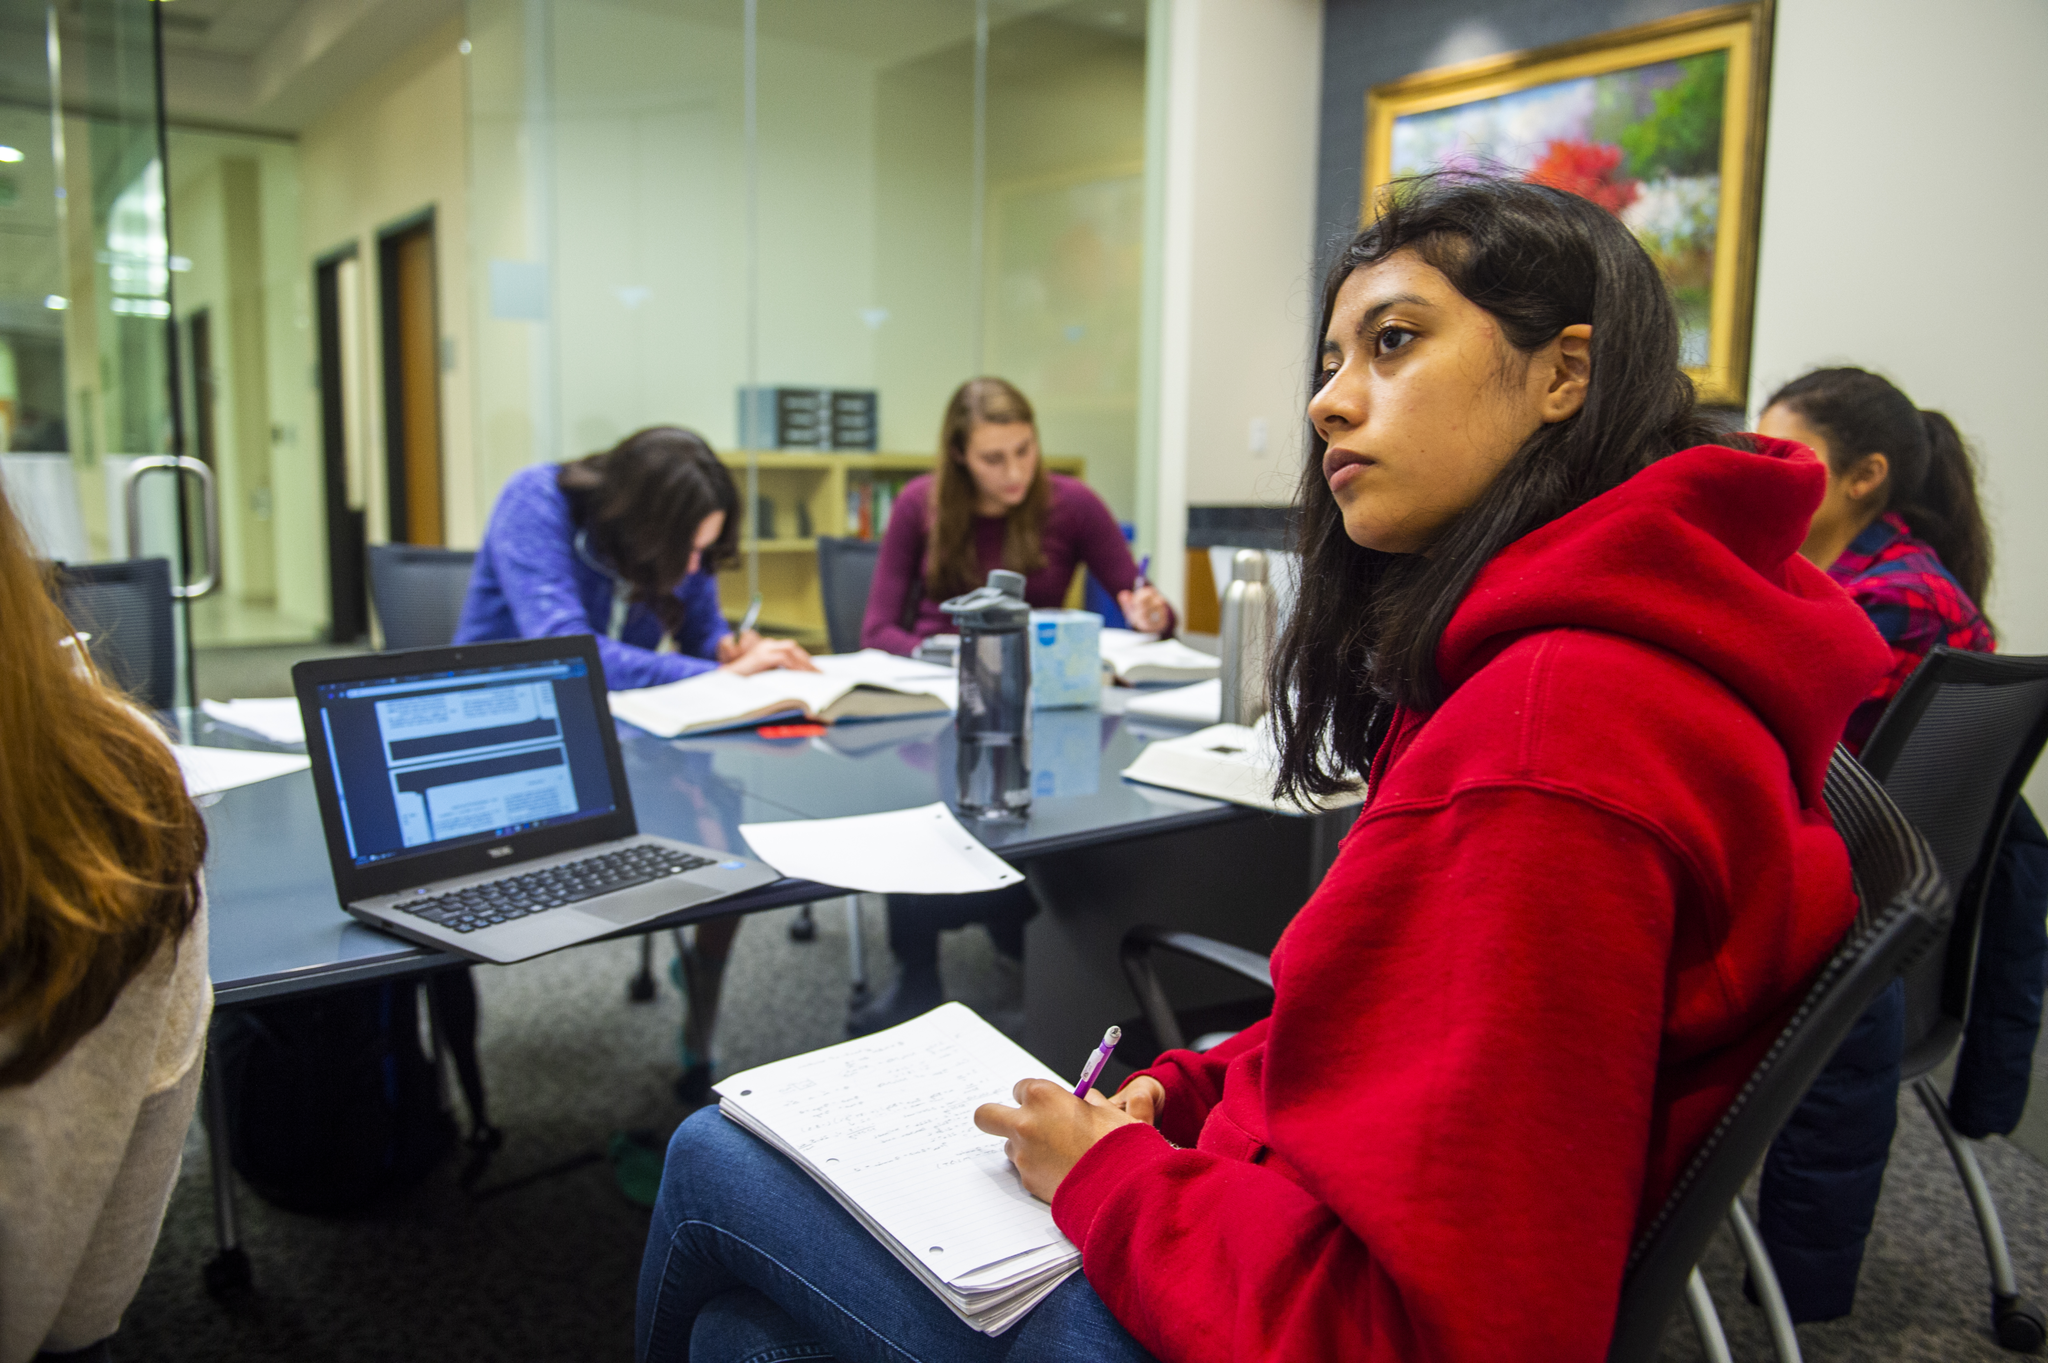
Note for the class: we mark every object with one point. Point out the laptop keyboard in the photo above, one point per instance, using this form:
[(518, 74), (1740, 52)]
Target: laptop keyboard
[(502, 901)]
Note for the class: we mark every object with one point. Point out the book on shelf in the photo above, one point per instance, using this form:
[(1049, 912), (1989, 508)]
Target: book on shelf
[(885, 1124), (869, 684)]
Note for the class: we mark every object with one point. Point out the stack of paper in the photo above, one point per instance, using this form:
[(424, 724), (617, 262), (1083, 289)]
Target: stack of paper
[(1224, 762), (886, 1125), (276, 719), (869, 684), (1138, 658)]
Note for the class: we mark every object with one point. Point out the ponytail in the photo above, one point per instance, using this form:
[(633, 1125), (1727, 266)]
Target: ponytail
[(1945, 511)]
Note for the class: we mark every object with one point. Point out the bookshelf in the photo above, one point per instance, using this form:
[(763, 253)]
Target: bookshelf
[(815, 493)]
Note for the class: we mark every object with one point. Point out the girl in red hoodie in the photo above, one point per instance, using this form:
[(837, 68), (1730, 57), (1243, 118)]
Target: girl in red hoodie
[(1575, 647)]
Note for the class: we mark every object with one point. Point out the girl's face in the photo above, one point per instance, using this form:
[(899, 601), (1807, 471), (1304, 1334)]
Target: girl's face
[(708, 531), (1002, 459), (1423, 401), (1853, 499)]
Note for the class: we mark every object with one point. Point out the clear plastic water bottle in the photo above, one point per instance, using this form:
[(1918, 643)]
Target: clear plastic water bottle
[(994, 721)]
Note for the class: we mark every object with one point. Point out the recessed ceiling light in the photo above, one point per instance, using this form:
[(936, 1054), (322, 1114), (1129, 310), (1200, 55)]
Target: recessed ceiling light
[(10, 153), (55, 303)]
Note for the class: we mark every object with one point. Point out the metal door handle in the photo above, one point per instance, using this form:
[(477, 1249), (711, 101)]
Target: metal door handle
[(209, 506)]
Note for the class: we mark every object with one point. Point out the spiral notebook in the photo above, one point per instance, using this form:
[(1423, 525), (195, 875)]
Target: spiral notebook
[(885, 1124)]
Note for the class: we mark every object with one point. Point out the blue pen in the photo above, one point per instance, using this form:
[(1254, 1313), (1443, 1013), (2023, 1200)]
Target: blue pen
[(1144, 566), (1093, 1069)]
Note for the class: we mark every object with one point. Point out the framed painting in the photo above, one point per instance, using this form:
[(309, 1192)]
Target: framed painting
[(1661, 124)]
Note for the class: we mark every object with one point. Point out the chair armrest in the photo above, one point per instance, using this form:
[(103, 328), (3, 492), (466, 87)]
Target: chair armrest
[(1135, 955)]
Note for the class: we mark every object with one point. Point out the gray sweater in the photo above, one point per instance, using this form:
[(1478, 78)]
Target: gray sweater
[(88, 1154)]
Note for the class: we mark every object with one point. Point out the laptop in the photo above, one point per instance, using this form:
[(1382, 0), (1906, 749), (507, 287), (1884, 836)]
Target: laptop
[(475, 801)]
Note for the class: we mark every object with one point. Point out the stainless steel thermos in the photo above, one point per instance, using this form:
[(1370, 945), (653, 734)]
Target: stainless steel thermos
[(1247, 638), (994, 721)]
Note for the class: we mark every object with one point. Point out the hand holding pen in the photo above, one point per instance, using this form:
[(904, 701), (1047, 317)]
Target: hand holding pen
[(1143, 607)]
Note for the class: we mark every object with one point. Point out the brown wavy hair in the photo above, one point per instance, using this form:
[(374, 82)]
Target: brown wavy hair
[(640, 504), (950, 564), (100, 846)]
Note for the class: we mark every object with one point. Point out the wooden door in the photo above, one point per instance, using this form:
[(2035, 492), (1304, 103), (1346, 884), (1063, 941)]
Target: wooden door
[(412, 383)]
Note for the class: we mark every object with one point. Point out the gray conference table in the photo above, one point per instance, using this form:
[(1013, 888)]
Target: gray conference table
[(277, 928), (1100, 853)]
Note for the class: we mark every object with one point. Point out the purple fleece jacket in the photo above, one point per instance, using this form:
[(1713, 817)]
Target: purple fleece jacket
[(529, 583)]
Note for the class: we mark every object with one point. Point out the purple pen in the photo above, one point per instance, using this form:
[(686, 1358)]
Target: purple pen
[(1144, 567), (1093, 1069)]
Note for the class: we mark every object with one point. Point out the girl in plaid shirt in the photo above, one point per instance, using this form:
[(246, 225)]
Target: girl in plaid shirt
[(1901, 530)]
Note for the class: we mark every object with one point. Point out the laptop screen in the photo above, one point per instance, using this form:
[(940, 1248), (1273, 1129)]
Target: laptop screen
[(434, 760)]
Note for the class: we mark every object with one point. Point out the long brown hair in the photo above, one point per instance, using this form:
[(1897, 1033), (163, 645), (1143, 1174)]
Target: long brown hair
[(640, 504), (950, 564), (100, 846)]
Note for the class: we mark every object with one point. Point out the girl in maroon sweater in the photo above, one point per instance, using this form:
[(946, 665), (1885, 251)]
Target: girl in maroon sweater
[(1596, 690), (990, 503)]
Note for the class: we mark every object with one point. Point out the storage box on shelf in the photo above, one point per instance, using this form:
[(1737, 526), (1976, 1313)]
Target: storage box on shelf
[(808, 493)]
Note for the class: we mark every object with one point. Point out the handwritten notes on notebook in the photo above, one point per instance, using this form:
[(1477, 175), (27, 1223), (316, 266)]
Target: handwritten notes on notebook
[(886, 1124)]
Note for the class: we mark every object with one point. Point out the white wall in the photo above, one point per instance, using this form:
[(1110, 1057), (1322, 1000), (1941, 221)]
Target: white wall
[(394, 146), (1902, 231), (1235, 258)]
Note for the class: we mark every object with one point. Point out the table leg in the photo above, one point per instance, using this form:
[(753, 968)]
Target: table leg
[(227, 1272), (856, 952)]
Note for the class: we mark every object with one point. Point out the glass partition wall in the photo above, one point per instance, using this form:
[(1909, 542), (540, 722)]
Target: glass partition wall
[(795, 226), (87, 425)]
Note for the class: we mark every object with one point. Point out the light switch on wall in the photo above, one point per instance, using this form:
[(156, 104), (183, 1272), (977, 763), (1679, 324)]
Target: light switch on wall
[(1255, 438)]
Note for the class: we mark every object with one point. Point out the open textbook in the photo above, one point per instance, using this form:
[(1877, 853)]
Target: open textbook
[(1139, 658), (1224, 762), (869, 684), (886, 1125)]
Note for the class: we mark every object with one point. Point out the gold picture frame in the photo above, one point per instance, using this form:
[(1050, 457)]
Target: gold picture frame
[(1650, 87)]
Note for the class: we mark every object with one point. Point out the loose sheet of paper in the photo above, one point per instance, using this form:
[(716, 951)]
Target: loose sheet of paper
[(889, 1119), (208, 771), (1201, 703), (277, 719), (905, 851)]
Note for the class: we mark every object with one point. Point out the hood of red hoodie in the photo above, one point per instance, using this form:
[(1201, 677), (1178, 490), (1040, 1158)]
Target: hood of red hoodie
[(1697, 555)]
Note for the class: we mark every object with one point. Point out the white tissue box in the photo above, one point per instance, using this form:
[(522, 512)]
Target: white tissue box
[(1066, 660)]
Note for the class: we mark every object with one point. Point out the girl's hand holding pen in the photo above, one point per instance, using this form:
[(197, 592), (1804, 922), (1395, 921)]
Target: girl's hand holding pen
[(1049, 1130)]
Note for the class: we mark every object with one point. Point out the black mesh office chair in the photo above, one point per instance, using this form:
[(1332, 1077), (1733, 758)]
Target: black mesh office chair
[(1952, 751), (846, 569), (125, 607), (1904, 909), (418, 592)]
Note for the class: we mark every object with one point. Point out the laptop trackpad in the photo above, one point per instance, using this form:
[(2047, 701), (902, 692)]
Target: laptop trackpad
[(643, 902)]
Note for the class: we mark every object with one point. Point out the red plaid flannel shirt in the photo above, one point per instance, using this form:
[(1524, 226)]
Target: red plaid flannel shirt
[(1915, 604)]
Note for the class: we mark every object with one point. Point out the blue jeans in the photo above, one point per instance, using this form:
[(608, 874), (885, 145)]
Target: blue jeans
[(750, 1261)]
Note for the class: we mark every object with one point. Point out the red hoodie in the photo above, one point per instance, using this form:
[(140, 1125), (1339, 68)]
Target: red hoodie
[(1586, 894)]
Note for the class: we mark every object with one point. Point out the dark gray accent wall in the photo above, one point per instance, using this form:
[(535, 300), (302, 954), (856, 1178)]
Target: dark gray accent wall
[(1370, 42)]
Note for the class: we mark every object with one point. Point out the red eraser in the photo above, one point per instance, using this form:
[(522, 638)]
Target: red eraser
[(790, 730)]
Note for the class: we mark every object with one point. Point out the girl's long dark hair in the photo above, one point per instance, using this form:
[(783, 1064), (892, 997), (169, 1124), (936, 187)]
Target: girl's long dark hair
[(1363, 636), (639, 504), (1933, 480)]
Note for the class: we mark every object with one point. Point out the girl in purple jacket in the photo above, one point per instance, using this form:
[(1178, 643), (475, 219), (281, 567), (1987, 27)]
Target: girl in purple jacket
[(626, 545)]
